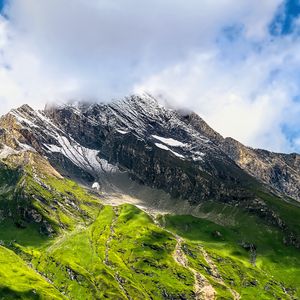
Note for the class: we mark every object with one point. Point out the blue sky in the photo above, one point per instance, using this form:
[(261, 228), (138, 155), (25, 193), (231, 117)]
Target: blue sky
[(236, 63), (283, 23)]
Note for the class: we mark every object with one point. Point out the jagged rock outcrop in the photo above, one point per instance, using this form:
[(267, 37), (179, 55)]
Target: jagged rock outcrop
[(279, 171)]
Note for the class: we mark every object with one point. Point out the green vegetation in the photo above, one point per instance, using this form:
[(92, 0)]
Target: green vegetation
[(19, 281), (123, 253), (265, 271), (59, 242)]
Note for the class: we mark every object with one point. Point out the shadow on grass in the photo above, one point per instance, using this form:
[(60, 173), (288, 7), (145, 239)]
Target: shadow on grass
[(29, 236), (10, 294)]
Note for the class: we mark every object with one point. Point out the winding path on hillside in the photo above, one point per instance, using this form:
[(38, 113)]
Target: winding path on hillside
[(202, 288), (217, 276)]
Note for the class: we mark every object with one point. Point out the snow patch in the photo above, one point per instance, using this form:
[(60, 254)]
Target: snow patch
[(46, 120), (82, 157), (170, 141), (22, 120), (52, 148), (198, 156), (164, 147), (7, 151), (122, 131), (25, 147)]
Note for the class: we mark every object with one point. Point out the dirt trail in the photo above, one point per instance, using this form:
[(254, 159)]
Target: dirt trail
[(111, 235), (215, 273), (202, 288), (107, 247)]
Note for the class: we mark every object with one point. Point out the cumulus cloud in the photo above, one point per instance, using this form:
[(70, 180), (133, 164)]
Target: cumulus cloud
[(99, 49), (217, 58), (251, 98)]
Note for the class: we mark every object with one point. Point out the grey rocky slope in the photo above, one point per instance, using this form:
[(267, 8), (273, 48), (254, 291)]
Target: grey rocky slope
[(279, 171), (162, 148), (141, 141), (139, 136)]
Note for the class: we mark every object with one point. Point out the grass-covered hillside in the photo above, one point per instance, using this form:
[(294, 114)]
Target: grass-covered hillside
[(60, 242)]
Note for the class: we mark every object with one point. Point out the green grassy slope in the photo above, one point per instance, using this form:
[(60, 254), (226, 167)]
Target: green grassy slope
[(20, 281), (122, 254), (102, 252), (269, 270)]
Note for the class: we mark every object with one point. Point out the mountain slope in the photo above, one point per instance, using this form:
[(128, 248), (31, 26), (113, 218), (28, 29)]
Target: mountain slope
[(17, 280), (279, 171), (152, 145), (120, 253), (207, 228)]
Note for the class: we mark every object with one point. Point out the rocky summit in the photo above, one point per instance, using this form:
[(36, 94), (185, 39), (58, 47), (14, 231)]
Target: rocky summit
[(132, 200)]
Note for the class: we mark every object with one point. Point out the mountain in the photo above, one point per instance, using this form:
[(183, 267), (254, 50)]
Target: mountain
[(279, 171), (131, 200)]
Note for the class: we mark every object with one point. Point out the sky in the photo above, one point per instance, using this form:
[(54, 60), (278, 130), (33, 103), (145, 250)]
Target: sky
[(236, 63)]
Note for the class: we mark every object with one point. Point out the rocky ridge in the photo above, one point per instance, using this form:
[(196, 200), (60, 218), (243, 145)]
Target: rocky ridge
[(279, 171), (154, 146)]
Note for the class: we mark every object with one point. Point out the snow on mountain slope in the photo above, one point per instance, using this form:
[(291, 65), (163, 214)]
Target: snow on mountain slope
[(136, 142), (142, 117), (164, 147), (170, 141), (6, 151), (95, 138), (135, 135), (84, 158), (153, 145), (37, 132)]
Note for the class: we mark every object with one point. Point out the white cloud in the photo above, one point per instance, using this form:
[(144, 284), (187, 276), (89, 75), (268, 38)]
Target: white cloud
[(61, 49), (250, 98)]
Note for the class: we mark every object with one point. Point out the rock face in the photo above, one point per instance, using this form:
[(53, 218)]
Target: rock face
[(162, 148), (196, 188), (157, 147), (279, 171), (135, 135)]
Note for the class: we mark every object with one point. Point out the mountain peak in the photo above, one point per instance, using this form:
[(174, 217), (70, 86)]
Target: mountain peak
[(25, 107), (141, 118)]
